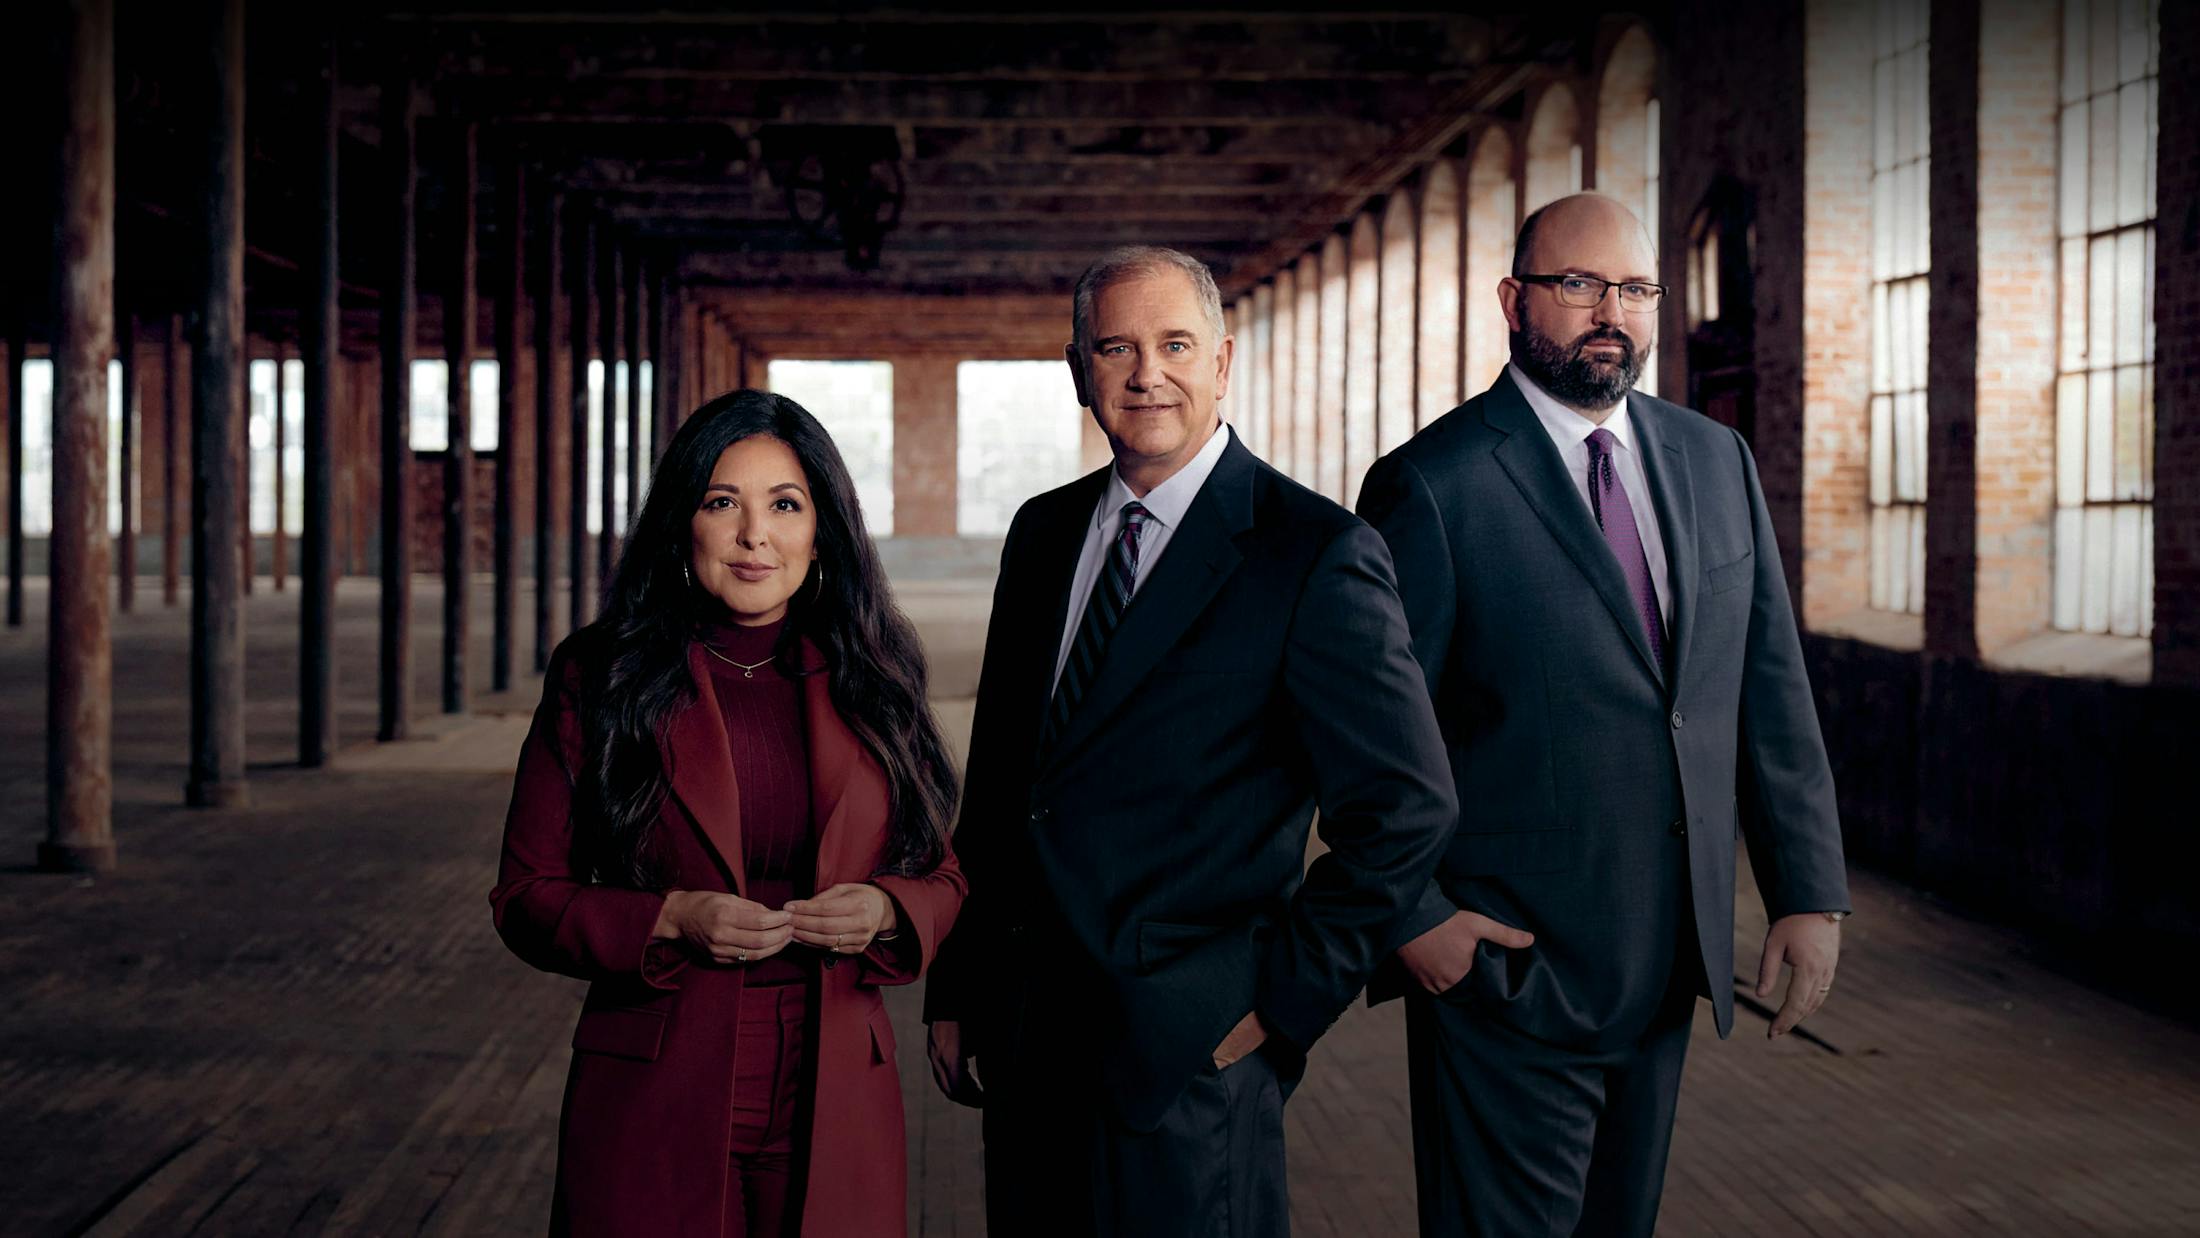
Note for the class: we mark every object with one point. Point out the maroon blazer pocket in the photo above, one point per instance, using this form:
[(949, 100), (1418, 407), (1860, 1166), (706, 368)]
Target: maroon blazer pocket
[(637, 1034)]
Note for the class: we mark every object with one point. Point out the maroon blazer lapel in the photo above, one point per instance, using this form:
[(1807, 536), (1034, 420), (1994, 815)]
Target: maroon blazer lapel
[(702, 772), (847, 789)]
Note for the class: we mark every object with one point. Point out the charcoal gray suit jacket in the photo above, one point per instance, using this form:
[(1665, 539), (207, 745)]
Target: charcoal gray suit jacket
[(1600, 798), (1142, 884)]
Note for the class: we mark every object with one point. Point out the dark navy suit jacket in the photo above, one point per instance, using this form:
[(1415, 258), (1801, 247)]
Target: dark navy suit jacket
[(1600, 799), (1139, 887)]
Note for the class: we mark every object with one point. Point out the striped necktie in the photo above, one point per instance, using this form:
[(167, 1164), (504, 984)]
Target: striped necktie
[(1111, 594)]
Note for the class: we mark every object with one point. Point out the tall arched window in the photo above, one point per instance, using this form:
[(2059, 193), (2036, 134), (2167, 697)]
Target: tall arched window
[(1244, 395), (1306, 402), (1491, 222), (1627, 141), (1283, 420), (1436, 359), (1362, 355), (1259, 370), (1394, 390), (1554, 146), (1901, 240), (1329, 392), (2104, 405)]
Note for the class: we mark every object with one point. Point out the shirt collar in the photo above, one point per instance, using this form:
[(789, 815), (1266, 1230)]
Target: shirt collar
[(1168, 502), (1567, 427)]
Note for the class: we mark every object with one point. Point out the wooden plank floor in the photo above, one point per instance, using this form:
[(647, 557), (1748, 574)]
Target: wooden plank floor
[(293, 1018)]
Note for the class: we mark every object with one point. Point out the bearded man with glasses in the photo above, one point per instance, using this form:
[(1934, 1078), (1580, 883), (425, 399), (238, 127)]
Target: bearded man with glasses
[(1597, 603)]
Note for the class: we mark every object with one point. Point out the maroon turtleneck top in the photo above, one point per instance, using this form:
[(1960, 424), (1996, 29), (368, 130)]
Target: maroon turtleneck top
[(762, 709)]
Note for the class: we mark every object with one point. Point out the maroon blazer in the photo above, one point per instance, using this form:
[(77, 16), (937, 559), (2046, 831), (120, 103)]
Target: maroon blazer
[(643, 1144)]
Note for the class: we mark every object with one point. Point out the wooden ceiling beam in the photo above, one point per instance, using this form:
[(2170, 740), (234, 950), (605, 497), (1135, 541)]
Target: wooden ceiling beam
[(829, 100), (945, 47)]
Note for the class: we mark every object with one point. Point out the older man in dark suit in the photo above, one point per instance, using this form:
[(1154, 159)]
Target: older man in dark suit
[(1597, 601), (1188, 654)]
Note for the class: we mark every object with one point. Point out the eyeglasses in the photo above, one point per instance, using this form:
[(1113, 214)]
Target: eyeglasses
[(1587, 291)]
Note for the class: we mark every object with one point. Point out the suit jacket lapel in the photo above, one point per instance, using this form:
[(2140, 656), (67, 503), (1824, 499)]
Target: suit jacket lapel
[(1528, 457), (1674, 497), (1199, 557), (702, 773)]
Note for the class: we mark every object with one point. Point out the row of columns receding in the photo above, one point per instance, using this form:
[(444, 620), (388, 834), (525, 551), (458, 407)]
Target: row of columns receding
[(565, 267)]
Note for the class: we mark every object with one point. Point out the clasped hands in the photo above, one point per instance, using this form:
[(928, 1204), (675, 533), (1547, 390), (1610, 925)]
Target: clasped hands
[(727, 928)]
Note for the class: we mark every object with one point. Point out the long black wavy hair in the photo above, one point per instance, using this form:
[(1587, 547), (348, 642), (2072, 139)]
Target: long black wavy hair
[(635, 674)]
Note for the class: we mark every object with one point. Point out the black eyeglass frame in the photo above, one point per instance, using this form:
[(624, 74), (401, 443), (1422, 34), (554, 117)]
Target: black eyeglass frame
[(1557, 280)]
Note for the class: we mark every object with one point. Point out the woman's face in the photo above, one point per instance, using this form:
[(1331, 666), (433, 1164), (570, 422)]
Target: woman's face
[(754, 535)]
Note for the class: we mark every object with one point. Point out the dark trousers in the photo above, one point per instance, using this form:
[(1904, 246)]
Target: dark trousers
[(1059, 1165), (1515, 1138), (770, 1102)]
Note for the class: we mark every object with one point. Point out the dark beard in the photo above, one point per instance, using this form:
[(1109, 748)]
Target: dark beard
[(1569, 373)]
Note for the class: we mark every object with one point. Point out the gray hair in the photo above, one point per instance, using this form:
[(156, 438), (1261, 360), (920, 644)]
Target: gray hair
[(1132, 262)]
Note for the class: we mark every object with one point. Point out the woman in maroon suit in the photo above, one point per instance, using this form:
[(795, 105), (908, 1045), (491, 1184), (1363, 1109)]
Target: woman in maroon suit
[(731, 817)]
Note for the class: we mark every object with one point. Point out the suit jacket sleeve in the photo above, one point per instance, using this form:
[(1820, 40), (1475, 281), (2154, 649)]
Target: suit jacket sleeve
[(1387, 805), (1396, 500), (960, 970), (546, 906), (1788, 814), (924, 910)]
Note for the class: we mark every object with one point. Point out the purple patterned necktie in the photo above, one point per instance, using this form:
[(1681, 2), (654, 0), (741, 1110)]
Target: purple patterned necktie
[(1616, 516), (1111, 594)]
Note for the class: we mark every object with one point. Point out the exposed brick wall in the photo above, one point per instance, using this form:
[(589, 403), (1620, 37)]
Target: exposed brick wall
[(2029, 796), (2177, 354), (1823, 355), (427, 514), (1733, 110), (1993, 320), (924, 446)]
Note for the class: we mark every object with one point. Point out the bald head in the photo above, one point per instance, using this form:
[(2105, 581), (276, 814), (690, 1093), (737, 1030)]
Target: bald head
[(1556, 236)]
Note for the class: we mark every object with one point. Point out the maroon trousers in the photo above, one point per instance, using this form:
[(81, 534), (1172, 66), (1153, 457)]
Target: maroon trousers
[(770, 1112)]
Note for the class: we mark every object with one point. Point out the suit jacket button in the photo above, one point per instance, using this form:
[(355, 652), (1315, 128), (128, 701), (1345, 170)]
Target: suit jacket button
[(1677, 720), (1679, 829)]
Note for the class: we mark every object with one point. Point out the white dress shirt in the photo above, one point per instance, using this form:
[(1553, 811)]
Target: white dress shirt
[(1165, 506), (1570, 432)]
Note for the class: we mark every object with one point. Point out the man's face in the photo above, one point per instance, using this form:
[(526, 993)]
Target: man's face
[(1587, 357), (1153, 379)]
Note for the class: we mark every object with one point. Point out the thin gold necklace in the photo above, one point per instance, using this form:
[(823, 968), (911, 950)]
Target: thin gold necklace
[(747, 669)]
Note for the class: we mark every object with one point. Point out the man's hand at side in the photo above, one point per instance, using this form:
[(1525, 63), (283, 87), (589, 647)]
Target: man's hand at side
[(1810, 944), (952, 1068), (1442, 957), (1243, 1039)]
